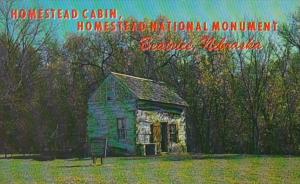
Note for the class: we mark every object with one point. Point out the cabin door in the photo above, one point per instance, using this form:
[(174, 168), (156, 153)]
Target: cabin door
[(159, 136), (164, 136)]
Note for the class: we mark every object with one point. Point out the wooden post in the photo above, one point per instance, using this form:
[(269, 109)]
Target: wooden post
[(94, 159), (5, 152), (105, 148)]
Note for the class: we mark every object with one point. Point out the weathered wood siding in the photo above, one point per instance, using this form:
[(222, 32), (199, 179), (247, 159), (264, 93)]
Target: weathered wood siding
[(111, 101)]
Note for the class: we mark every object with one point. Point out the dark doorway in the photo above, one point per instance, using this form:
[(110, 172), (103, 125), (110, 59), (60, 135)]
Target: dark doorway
[(150, 149), (164, 137)]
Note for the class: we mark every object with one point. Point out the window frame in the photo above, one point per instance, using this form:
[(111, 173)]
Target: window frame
[(122, 131), (173, 133)]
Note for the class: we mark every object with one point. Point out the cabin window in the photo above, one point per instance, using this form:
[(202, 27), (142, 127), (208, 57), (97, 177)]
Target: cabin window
[(110, 96), (122, 131), (173, 133)]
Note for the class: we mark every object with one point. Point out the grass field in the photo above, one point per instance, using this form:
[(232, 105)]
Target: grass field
[(164, 169)]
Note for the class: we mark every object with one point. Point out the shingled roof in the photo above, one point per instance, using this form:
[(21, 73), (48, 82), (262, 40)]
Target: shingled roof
[(146, 89)]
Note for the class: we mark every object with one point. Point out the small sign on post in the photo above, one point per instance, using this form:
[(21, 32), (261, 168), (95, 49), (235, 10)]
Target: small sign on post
[(98, 147)]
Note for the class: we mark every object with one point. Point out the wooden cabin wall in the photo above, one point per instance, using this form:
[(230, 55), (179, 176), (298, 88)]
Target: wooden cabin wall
[(110, 102)]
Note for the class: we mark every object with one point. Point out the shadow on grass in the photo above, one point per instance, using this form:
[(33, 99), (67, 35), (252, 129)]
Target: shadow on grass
[(75, 166), (219, 157), (76, 159), (83, 165), (140, 158), (183, 157), (19, 157), (39, 157), (174, 157)]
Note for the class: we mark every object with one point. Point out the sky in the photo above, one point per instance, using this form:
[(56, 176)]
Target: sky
[(176, 10)]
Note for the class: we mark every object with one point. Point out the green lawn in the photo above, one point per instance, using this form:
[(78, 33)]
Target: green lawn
[(164, 169)]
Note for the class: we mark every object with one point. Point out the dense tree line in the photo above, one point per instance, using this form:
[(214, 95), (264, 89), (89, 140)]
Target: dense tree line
[(239, 101)]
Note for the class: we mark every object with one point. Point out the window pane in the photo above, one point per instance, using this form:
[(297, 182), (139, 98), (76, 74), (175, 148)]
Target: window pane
[(121, 128), (173, 132)]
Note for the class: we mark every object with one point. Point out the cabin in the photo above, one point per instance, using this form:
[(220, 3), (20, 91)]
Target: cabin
[(137, 116)]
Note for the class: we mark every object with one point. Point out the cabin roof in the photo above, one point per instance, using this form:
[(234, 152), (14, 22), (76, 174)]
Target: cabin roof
[(147, 89)]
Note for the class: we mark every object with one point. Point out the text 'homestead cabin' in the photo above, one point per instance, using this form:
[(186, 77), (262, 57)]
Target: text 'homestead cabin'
[(137, 116)]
